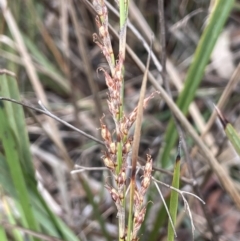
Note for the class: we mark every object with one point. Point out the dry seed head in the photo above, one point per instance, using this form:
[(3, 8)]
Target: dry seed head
[(139, 217), (99, 7), (112, 108), (138, 199), (108, 162), (98, 22), (148, 166), (102, 32), (97, 41), (147, 99), (127, 146), (108, 79), (123, 129), (118, 69), (106, 135), (137, 222), (114, 194), (132, 117), (121, 177), (147, 175), (145, 184), (113, 148), (102, 24)]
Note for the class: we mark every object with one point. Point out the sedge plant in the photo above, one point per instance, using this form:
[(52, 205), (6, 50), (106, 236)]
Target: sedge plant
[(119, 144)]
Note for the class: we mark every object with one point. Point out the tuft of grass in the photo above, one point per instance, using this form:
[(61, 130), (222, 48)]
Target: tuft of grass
[(21, 183)]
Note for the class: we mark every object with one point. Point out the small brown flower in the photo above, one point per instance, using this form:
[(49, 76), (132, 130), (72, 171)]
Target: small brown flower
[(138, 199), (108, 162), (121, 177), (114, 194), (105, 132), (112, 148), (148, 165), (137, 222)]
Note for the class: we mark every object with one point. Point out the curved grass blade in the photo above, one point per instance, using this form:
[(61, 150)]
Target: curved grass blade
[(11, 147), (195, 73)]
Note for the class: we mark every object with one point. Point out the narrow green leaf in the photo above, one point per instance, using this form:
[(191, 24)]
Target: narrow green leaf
[(16, 116), (11, 149), (11, 219), (195, 73), (174, 199), (3, 236)]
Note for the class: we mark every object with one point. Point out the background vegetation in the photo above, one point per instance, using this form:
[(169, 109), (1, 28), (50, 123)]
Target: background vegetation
[(48, 54)]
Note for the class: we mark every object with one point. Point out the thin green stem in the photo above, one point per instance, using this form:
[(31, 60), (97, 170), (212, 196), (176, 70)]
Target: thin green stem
[(123, 6), (130, 216), (119, 156)]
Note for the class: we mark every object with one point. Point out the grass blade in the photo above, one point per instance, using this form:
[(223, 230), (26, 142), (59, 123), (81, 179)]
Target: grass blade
[(11, 146), (195, 73), (174, 199), (3, 235), (135, 148)]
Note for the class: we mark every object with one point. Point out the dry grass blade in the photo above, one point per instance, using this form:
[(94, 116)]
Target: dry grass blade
[(82, 46), (48, 113), (135, 146), (48, 40), (221, 103), (23, 51), (31, 71)]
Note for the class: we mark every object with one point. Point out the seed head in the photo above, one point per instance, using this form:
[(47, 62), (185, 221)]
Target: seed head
[(105, 132), (114, 194), (112, 148), (121, 177), (108, 162)]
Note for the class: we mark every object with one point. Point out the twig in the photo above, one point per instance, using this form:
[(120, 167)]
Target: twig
[(165, 205), (48, 113), (7, 72), (184, 199)]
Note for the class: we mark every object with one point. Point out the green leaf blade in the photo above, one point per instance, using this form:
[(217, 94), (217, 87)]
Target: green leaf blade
[(196, 71), (174, 199)]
